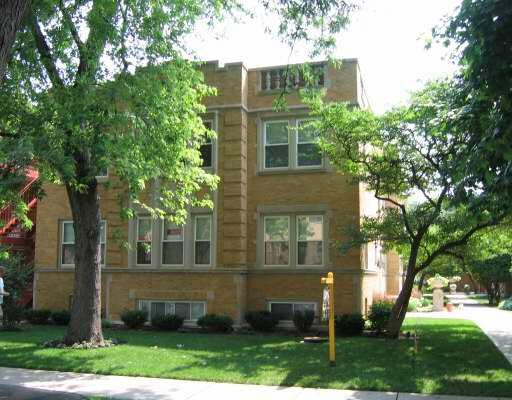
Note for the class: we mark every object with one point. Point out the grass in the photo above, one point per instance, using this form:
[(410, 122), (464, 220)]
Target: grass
[(454, 357)]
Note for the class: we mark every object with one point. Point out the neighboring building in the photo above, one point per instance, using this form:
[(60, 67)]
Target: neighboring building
[(279, 210)]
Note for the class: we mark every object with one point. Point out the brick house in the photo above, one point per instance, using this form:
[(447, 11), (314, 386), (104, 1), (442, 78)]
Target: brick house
[(278, 211)]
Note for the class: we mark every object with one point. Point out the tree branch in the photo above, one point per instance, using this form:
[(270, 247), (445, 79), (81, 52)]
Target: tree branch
[(74, 32)]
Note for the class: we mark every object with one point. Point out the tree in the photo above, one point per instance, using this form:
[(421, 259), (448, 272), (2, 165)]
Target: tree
[(414, 150), (493, 273), (104, 84), (11, 16)]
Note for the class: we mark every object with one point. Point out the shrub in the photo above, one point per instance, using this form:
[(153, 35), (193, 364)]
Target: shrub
[(38, 317), (106, 323), (424, 302), (349, 324), (134, 319), (379, 314), (13, 314), (414, 304), (506, 305), (263, 321), (303, 320), (168, 322), (216, 323), (61, 317)]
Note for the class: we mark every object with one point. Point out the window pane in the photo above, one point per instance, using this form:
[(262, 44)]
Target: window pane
[(308, 155), (303, 307), (69, 232), (276, 228), (309, 253), (143, 253), (276, 253), (202, 253), (203, 225), (172, 231), (276, 156), (276, 132), (68, 254), (144, 229), (306, 132), (102, 232), (157, 309), (282, 310), (206, 154), (144, 306), (102, 254), (183, 310), (310, 227), (173, 253), (197, 311)]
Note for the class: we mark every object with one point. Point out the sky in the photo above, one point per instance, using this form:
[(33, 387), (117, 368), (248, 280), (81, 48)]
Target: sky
[(387, 37)]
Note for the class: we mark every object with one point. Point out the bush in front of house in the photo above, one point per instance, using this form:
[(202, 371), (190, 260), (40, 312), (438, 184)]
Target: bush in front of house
[(38, 317), (134, 319), (414, 304), (13, 314), (506, 305), (61, 318), (349, 324), (216, 323), (379, 315), (303, 320), (263, 321), (168, 322)]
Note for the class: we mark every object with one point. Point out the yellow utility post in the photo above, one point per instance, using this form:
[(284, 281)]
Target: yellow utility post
[(329, 282)]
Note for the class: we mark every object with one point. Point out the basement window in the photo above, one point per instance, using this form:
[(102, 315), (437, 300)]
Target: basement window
[(189, 310), (285, 310)]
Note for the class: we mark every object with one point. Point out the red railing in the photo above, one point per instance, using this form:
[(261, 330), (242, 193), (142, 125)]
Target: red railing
[(28, 195)]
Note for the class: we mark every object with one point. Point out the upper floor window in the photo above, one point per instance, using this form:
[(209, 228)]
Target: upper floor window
[(310, 239), (172, 243), (292, 77), (277, 240), (67, 243), (206, 148), (276, 144), (290, 144), (144, 240), (202, 239)]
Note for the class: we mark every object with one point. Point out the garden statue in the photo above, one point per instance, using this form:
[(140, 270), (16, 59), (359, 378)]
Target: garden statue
[(437, 283)]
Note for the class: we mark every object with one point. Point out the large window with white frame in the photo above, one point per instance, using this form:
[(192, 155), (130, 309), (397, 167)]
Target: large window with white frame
[(285, 309), (144, 240), (172, 243), (308, 152), (310, 231), (277, 240), (276, 141), (202, 239), (67, 243), (189, 310)]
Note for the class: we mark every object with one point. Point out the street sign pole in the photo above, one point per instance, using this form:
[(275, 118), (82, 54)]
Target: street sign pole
[(329, 282)]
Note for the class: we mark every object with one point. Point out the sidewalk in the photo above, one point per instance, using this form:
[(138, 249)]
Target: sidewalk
[(120, 387)]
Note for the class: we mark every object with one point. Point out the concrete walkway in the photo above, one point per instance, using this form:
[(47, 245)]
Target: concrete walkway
[(497, 324), (119, 387)]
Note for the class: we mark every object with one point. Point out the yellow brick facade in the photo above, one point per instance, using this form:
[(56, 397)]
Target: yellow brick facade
[(237, 281)]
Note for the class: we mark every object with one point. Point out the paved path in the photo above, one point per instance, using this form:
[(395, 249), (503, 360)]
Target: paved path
[(9, 392), (169, 389), (497, 324)]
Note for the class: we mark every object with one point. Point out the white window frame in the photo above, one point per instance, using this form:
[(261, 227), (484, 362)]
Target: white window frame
[(288, 144), (137, 241), (265, 241), (293, 303), (322, 264), (163, 241), (195, 218), (102, 178), (298, 121), (170, 306), (62, 243)]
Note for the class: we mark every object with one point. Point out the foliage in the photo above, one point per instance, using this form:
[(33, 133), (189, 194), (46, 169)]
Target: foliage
[(492, 273), (61, 317), (216, 323), (38, 317), (379, 315), (13, 314), (349, 324), (263, 321), (134, 319), (167, 322), (303, 320), (506, 305), (414, 304), (437, 277), (106, 323)]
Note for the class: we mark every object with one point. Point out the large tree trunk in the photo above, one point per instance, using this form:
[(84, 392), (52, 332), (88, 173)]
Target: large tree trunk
[(11, 15), (400, 307), (85, 324)]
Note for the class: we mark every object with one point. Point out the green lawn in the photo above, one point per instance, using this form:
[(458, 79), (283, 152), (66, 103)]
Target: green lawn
[(454, 357)]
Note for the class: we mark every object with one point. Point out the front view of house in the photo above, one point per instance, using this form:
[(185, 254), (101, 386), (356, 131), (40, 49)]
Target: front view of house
[(279, 211)]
